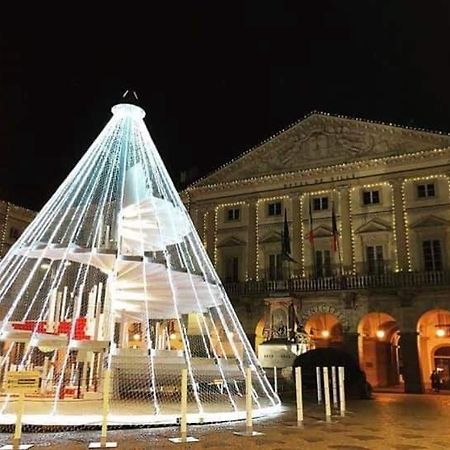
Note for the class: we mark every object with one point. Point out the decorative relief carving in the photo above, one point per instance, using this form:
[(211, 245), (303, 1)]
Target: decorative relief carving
[(322, 140)]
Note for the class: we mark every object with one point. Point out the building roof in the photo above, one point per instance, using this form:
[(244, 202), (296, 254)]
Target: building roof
[(321, 139)]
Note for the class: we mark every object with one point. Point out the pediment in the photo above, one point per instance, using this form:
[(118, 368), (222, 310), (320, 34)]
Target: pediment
[(430, 221), (271, 237), (373, 226), (320, 140), (231, 241), (322, 231)]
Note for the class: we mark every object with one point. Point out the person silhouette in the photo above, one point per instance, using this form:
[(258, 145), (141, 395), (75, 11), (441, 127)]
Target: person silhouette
[(435, 381)]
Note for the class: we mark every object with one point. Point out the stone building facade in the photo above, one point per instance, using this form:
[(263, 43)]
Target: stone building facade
[(13, 221), (367, 207)]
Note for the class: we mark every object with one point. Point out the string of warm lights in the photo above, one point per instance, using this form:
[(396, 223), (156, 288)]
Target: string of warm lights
[(5, 227), (371, 186), (302, 219), (259, 201), (342, 167), (216, 212), (405, 210), (366, 123), (205, 228)]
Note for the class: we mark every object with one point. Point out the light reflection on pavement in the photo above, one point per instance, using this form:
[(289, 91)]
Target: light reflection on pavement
[(389, 421)]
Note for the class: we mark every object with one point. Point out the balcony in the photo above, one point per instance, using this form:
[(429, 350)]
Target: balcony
[(389, 280)]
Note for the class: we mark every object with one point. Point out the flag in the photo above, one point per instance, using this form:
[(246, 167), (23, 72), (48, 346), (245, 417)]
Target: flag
[(311, 230), (334, 228), (286, 241)]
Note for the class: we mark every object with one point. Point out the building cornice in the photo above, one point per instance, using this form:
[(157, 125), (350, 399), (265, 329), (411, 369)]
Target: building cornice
[(322, 170)]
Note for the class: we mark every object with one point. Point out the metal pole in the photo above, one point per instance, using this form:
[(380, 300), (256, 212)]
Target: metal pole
[(326, 391), (299, 395), (319, 386), (334, 384), (341, 371)]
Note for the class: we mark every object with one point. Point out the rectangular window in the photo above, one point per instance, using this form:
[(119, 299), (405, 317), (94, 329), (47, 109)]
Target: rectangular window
[(375, 261), (274, 209), (275, 267), (432, 255), (320, 203), (233, 214), (232, 270), (14, 233), (425, 190), (323, 263), (371, 197)]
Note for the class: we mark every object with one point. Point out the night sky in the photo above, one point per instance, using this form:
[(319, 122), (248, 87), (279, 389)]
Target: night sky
[(214, 77)]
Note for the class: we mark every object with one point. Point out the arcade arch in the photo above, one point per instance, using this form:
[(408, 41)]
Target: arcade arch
[(433, 328), (325, 330), (378, 349)]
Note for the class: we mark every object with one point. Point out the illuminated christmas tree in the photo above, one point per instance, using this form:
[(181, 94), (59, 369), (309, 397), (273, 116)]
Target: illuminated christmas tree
[(112, 274)]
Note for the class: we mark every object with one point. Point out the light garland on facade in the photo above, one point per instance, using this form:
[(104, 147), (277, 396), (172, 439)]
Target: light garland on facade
[(365, 122), (356, 165), (205, 227), (8, 206), (216, 213), (352, 234), (263, 200), (312, 194), (394, 230), (405, 211)]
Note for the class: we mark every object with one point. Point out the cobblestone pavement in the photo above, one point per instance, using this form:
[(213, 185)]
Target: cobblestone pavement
[(389, 421)]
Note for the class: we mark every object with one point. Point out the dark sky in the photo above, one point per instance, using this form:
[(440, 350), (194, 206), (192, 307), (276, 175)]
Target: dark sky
[(214, 77)]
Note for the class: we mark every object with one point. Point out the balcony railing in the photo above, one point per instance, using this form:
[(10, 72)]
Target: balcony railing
[(395, 280)]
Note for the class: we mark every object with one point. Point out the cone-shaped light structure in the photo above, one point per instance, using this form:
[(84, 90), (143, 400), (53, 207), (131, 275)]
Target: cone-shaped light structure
[(112, 274)]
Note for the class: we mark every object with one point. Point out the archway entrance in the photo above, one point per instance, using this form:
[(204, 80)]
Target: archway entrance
[(434, 345), (442, 365), (378, 349), (259, 334), (324, 329)]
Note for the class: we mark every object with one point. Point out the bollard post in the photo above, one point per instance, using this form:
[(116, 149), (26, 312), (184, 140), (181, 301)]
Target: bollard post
[(299, 395), (342, 390), (183, 420), (326, 394), (319, 386), (105, 411), (248, 406), (275, 380), (18, 428), (334, 384)]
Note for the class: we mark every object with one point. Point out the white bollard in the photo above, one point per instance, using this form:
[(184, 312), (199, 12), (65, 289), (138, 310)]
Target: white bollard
[(326, 394), (319, 386), (183, 421), (275, 380), (105, 411), (299, 395), (342, 390), (334, 384), (248, 406)]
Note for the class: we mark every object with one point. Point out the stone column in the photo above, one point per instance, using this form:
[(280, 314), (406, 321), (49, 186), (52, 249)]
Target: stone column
[(296, 238), (400, 226), (410, 362), (251, 240), (346, 237), (350, 344)]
